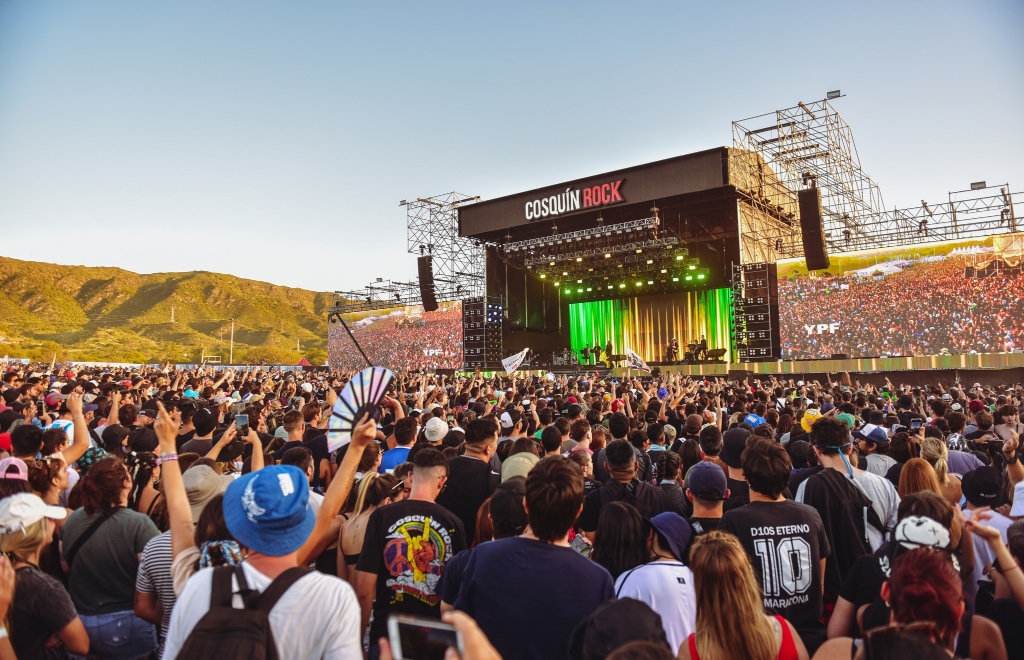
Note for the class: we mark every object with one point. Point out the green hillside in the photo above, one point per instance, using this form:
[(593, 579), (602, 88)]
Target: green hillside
[(84, 313)]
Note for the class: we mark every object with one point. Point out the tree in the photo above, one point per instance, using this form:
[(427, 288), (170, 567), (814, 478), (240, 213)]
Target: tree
[(269, 355)]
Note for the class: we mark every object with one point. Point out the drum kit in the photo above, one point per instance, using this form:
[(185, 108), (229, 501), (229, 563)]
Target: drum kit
[(566, 357)]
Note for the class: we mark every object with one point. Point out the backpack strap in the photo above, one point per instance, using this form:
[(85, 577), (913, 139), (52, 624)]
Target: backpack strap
[(279, 586), (221, 587)]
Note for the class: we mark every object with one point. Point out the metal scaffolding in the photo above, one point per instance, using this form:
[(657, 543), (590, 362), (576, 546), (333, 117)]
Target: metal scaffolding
[(811, 145)]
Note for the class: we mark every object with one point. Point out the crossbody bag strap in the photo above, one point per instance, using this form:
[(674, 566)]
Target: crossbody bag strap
[(81, 540)]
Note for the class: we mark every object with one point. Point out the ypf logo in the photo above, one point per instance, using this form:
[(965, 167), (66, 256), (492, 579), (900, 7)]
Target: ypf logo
[(821, 328)]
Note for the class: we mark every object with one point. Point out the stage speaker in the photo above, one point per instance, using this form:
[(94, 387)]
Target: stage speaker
[(840, 356), (426, 271), (969, 271), (813, 229)]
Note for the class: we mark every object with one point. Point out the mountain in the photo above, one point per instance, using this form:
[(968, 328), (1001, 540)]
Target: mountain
[(110, 314)]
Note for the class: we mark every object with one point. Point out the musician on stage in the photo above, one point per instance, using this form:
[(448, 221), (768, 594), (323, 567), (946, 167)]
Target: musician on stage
[(608, 354), (702, 348), (596, 352), (585, 354), (672, 351)]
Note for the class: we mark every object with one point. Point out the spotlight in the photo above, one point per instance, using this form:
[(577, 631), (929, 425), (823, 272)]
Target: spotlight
[(639, 251), (650, 261), (579, 290), (689, 278), (556, 283), (675, 279), (543, 276), (679, 257), (607, 255), (692, 267), (551, 263), (579, 259), (622, 286), (589, 289), (700, 276), (639, 283), (662, 270), (650, 281), (579, 281), (565, 272), (609, 286)]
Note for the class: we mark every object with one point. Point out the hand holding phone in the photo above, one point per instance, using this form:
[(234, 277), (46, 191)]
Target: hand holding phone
[(421, 638), (242, 425)]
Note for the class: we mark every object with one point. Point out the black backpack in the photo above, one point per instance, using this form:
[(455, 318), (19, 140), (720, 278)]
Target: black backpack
[(227, 633)]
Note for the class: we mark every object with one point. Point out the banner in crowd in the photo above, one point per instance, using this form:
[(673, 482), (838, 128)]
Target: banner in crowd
[(634, 361), (513, 362)]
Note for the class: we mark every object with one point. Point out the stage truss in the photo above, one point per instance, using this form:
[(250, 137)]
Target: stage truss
[(811, 145), (432, 228)]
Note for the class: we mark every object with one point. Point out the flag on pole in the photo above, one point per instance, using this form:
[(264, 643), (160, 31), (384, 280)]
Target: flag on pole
[(513, 362), (634, 361)]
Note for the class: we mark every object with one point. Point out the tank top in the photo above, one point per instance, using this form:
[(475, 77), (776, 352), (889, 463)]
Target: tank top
[(787, 650)]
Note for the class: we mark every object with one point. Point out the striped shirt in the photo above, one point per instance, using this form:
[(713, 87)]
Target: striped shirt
[(155, 576)]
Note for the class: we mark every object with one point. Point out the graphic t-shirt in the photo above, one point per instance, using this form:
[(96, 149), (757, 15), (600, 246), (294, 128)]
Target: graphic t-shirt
[(40, 609), (786, 542), (407, 545)]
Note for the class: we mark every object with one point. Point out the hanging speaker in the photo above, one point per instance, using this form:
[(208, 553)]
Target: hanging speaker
[(426, 271), (813, 229)]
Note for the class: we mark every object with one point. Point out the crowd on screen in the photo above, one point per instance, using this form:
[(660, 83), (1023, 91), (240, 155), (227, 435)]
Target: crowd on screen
[(431, 341), (646, 517), (925, 309)]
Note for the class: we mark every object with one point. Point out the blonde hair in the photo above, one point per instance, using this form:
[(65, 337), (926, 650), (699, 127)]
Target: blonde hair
[(917, 476), (727, 591), (21, 544), (934, 451)]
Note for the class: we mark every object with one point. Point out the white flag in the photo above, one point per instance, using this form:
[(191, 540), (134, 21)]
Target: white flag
[(512, 362), (634, 361)]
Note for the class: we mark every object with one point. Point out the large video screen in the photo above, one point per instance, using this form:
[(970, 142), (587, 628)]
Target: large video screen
[(957, 297), (399, 338), (646, 324)]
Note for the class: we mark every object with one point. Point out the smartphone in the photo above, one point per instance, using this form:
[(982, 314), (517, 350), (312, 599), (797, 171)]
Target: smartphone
[(580, 545), (242, 425), (420, 638), (39, 408), (915, 423)]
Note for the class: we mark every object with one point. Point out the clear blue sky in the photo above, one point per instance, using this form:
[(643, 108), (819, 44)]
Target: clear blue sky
[(273, 140)]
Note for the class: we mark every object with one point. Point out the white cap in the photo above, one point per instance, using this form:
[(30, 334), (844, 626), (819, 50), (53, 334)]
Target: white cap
[(1018, 500), (21, 510), (307, 387), (435, 429)]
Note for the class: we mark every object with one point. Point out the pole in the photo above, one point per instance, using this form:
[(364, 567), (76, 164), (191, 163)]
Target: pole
[(231, 351)]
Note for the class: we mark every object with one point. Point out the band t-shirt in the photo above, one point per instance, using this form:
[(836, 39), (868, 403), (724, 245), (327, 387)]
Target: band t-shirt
[(786, 542), (407, 545)]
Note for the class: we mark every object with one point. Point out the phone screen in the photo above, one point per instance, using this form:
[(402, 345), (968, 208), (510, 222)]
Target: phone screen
[(421, 640), (915, 423), (242, 425)]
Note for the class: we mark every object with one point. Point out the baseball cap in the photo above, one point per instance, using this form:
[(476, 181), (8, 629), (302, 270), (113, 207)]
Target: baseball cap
[(571, 399), (53, 399), (20, 510), (13, 468), (613, 625), (848, 419), (435, 429), (676, 531), (754, 420), (707, 481), (268, 511), (307, 387), (920, 532), (975, 405), (872, 433), (205, 420), (734, 441), (202, 484), (946, 396), (510, 418), (983, 486), (811, 415), (956, 407)]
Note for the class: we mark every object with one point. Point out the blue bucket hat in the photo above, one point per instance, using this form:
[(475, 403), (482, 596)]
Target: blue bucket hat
[(676, 530), (268, 511)]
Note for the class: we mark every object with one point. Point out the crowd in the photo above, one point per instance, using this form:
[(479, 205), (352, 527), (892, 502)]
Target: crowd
[(164, 513), (434, 341), (925, 309)]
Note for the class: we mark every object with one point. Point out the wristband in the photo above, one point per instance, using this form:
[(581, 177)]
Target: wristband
[(166, 459), (77, 417), (1012, 459)]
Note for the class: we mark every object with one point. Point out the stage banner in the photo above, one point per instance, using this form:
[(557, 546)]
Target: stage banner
[(513, 362), (634, 361)]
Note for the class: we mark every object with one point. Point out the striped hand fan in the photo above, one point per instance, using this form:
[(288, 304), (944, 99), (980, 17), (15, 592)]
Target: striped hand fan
[(360, 396)]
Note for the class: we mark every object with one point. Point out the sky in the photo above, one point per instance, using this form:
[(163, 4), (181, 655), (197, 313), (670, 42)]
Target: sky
[(274, 140)]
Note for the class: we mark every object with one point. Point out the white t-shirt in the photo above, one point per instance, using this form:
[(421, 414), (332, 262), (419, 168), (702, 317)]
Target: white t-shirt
[(318, 617), (667, 586), (884, 500)]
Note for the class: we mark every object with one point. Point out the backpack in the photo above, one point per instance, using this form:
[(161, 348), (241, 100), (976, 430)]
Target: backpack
[(227, 633)]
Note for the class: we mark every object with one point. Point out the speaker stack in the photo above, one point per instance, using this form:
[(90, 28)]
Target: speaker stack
[(813, 229), (426, 272)]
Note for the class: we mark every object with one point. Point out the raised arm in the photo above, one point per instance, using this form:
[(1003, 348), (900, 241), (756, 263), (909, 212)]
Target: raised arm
[(225, 439), (178, 511), (80, 441)]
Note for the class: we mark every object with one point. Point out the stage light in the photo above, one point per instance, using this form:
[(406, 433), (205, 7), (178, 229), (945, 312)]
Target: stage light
[(700, 276), (650, 281), (692, 267), (579, 259), (689, 278), (543, 276), (579, 281), (679, 257), (620, 265), (579, 290), (607, 255), (675, 279), (556, 284), (650, 261), (639, 283), (589, 289), (622, 286), (639, 251), (834, 94), (551, 263), (565, 272), (664, 270), (609, 286)]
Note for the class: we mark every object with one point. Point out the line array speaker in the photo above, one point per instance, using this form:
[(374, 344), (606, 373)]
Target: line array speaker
[(813, 229), (426, 272)]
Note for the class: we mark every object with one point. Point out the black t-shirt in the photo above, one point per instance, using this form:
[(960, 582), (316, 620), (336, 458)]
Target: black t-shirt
[(893, 474), (182, 439), (649, 501), (528, 596), (1006, 614), (201, 446), (407, 546), (704, 525), (739, 494), (317, 446), (863, 584), (470, 482), (41, 608), (906, 417), (785, 542)]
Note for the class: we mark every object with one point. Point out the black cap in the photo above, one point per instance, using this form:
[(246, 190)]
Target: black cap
[(205, 421), (734, 441), (983, 486), (613, 625)]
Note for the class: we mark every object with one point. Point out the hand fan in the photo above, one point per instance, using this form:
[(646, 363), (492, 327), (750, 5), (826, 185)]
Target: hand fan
[(360, 396)]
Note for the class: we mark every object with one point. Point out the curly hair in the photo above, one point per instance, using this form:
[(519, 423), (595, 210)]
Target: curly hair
[(103, 484)]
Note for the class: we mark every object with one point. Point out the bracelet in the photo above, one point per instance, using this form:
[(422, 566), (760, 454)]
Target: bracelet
[(166, 459), (1012, 459), (1016, 565), (77, 417)]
